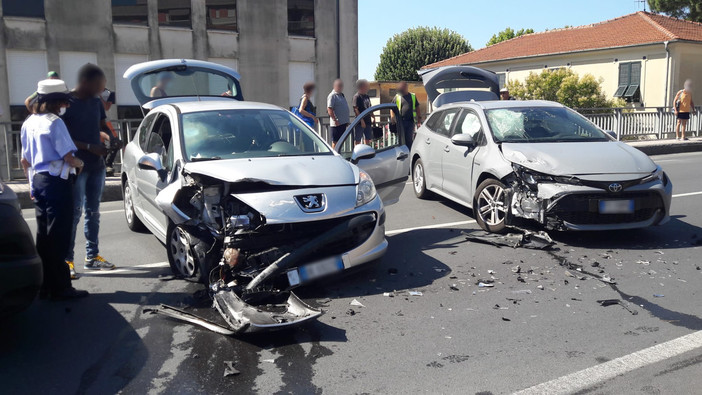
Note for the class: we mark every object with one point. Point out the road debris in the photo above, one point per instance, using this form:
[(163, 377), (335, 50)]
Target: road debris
[(611, 302), (415, 293), (485, 285), (522, 291), (541, 287), (356, 303), (454, 287), (505, 319), (229, 369), (526, 239), (658, 295)]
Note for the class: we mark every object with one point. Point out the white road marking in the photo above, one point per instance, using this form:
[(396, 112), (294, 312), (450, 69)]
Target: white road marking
[(687, 194), (592, 376), (436, 226), (126, 269)]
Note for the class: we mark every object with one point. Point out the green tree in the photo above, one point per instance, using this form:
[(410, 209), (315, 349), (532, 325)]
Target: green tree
[(685, 9), (407, 52), (507, 34), (563, 86)]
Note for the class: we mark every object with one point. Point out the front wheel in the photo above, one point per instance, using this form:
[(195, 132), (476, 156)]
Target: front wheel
[(419, 181), (133, 222), (490, 206), (180, 254)]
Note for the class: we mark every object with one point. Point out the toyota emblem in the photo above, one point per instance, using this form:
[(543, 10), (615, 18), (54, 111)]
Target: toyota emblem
[(615, 187)]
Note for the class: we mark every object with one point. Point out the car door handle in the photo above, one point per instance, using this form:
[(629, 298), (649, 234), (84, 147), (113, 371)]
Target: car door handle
[(447, 149), (402, 156), (428, 141)]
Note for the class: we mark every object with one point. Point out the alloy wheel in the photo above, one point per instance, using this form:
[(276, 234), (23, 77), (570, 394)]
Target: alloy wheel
[(491, 205), (418, 177), (181, 253)]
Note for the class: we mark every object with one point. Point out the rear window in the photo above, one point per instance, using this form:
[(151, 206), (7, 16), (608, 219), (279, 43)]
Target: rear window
[(185, 81)]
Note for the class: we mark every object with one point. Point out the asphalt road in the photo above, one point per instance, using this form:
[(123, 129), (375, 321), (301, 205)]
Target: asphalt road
[(455, 338)]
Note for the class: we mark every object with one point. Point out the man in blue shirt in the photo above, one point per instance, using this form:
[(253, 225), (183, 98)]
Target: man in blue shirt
[(85, 118)]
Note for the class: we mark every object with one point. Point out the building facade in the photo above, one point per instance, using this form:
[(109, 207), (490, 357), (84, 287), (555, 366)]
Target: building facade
[(643, 58), (276, 45)]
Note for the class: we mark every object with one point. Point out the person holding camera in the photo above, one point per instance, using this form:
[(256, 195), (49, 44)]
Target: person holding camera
[(50, 164)]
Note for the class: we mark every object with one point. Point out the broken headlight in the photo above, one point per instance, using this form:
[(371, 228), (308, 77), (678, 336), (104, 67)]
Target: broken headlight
[(533, 178), (365, 190), (657, 175)]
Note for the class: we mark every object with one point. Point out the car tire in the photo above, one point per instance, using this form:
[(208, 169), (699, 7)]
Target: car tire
[(490, 206), (181, 257), (133, 222), (419, 180)]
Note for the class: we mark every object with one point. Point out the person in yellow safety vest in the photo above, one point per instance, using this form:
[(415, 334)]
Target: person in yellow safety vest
[(410, 115)]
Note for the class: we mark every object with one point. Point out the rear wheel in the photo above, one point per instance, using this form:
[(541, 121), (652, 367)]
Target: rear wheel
[(490, 205), (133, 222), (419, 181)]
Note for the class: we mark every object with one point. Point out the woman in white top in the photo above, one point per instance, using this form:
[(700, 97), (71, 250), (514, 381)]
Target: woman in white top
[(48, 161)]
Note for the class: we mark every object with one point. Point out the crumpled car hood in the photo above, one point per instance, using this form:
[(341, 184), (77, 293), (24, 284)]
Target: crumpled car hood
[(321, 170), (578, 159)]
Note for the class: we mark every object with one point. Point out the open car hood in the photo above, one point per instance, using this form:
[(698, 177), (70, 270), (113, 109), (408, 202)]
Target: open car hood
[(185, 80), (320, 170), (472, 84), (580, 159)]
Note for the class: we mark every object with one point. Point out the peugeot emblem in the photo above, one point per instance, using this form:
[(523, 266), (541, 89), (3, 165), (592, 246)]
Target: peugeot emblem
[(311, 203), (615, 187)]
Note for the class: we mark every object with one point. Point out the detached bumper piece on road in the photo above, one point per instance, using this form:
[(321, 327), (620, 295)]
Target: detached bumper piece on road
[(244, 318)]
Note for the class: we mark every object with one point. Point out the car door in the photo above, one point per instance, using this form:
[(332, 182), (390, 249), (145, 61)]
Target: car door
[(458, 161), (389, 168), (437, 140), (134, 153), (149, 181)]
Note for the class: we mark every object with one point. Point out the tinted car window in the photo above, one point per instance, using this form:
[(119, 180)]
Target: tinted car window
[(443, 124), (469, 123)]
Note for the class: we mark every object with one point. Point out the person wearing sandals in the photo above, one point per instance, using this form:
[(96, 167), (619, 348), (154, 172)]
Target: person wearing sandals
[(683, 105), (49, 162)]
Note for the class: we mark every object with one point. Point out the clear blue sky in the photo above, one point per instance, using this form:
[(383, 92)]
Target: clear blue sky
[(476, 20)]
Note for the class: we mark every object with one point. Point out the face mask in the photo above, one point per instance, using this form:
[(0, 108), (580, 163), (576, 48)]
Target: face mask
[(62, 111)]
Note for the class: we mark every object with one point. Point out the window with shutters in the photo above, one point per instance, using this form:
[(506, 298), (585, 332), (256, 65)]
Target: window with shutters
[(629, 81)]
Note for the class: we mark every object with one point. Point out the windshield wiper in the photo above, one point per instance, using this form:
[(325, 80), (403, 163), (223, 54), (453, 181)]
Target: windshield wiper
[(205, 158)]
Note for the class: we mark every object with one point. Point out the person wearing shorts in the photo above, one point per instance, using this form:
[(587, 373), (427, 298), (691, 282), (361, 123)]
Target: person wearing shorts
[(683, 106), (338, 110), (361, 102)]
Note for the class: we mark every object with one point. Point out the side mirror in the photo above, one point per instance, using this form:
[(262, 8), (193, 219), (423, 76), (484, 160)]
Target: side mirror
[(151, 161), (463, 140), (611, 134), (362, 151)]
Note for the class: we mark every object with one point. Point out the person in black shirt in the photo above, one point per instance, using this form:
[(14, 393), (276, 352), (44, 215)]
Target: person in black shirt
[(361, 102)]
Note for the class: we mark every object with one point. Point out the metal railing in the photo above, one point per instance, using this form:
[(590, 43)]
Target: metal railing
[(125, 129), (641, 123), (381, 120)]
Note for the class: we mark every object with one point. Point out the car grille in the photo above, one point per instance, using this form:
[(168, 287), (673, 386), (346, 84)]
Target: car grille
[(582, 209)]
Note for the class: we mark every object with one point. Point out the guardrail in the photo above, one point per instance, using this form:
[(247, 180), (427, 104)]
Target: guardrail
[(634, 123), (125, 129)]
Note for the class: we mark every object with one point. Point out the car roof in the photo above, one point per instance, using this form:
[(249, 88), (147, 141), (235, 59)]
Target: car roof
[(496, 104), (218, 105)]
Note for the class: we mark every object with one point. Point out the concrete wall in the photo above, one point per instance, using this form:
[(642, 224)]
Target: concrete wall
[(261, 49), (687, 63), (604, 64)]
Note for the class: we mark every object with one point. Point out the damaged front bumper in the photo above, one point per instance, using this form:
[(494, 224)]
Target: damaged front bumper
[(567, 206)]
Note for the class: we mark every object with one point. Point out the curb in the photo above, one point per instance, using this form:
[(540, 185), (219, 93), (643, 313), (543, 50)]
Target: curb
[(112, 192), (670, 148)]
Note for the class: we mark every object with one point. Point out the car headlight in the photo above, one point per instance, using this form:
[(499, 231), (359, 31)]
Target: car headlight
[(533, 178), (365, 190), (657, 175)]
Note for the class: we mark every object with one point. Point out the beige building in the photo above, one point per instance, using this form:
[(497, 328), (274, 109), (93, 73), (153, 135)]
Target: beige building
[(643, 58)]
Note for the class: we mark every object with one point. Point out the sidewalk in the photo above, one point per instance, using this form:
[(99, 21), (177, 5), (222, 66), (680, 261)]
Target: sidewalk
[(113, 189)]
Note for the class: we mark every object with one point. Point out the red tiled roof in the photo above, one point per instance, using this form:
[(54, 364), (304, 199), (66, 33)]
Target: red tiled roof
[(633, 29)]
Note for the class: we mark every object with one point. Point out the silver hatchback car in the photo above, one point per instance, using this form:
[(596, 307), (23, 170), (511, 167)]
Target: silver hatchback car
[(247, 197), (535, 160)]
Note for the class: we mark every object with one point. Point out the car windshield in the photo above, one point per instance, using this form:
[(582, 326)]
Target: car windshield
[(227, 134), (541, 125)]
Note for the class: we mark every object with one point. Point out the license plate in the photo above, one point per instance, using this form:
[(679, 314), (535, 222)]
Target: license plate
[(616, 206), (315, 270)]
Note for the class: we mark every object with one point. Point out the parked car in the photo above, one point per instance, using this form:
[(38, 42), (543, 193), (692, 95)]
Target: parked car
[(246, 196), (20, 266), (536, 160)]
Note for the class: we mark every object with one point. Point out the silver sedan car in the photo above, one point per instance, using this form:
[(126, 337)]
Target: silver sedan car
[(248, 198), (533, 160)]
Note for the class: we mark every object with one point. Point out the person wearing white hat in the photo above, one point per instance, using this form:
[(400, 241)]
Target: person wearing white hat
[(49, 162), (504, 94)]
